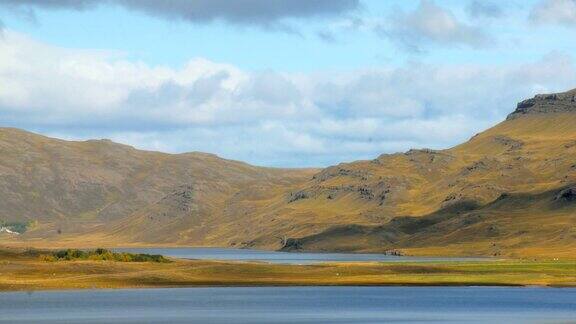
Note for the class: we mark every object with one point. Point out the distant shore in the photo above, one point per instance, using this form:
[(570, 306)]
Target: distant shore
[(25, 271)]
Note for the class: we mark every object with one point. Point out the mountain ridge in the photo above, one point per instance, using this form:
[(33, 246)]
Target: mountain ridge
[(496, 194)]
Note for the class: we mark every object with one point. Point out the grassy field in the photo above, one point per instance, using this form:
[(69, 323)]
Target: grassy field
[(27, 271)]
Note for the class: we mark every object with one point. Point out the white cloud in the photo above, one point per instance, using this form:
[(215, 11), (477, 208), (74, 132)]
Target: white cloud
[(431, 24), (560, 12), (268, 118)]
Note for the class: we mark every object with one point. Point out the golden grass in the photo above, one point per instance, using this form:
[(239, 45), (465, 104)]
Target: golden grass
[(27, 272)]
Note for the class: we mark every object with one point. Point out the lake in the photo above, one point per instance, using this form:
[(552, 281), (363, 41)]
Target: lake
[(293, 305), (281, 257)]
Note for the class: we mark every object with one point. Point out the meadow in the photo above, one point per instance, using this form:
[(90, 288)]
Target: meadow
[(30, 270)]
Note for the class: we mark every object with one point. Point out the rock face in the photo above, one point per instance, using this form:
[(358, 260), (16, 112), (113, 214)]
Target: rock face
[(567, 195), (547, 103), (292, 244)]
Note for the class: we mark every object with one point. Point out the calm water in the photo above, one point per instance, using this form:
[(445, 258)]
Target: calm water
[(279, 257), (293, 305)]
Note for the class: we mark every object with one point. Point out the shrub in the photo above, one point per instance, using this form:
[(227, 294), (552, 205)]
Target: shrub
[(101, 255)]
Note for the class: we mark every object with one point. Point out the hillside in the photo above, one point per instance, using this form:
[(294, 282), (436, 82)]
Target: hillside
[(510, 190), (59, 190)]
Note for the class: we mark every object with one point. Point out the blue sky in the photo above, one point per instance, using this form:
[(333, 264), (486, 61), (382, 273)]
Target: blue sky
[(279, 82), (173, 42)]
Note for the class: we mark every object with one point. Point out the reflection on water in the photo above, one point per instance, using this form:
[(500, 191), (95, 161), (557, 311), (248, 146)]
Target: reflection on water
[(293, 305)]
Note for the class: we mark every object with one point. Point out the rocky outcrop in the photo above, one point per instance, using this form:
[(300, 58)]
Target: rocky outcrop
[(510, 143), (181, 199), (299, 195), (566, 195), (547, 103), (292, 244), (341, 171)]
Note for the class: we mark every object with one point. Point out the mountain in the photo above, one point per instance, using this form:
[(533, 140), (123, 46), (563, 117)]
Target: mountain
[(72, 191), (510, 190)]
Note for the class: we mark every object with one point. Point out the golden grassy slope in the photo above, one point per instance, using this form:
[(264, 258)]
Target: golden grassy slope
[(524, 156), (99, 191)]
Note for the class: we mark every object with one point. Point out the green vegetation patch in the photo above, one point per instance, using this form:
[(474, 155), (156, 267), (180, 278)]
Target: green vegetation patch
[(101, 255)]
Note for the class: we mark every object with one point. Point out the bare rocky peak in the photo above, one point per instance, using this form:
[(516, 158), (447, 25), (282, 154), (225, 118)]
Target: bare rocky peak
[(547, 103)]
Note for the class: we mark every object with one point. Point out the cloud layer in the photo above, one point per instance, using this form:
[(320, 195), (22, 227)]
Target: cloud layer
[(267, 14), (431, 24), (267, 118), (560, 12)]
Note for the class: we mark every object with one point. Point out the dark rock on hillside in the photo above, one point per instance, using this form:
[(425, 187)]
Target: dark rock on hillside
[(508, 142), (566, 195), (295, 196), (180, 199), (547, 103), (292, 244), (341, 171)]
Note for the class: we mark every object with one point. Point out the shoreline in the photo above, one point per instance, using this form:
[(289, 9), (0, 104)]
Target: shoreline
[(431, 252), (22, 272), (323, 285), (284, 286)]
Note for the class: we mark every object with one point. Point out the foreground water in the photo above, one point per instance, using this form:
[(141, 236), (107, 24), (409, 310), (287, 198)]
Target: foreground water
[(280, 257), (293, 305)]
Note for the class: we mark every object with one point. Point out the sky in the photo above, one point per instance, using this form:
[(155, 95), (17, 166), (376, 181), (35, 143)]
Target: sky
[(281, 83)]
